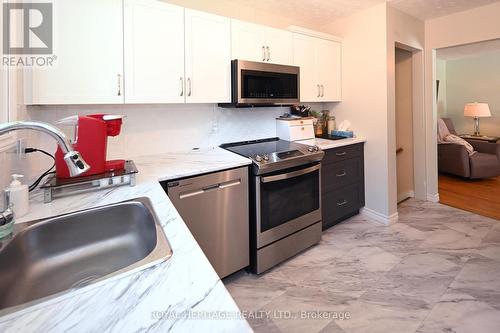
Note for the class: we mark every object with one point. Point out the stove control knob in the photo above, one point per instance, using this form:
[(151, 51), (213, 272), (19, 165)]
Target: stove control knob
[(266, 157), (316, 148), (310, 149), (258, 158)]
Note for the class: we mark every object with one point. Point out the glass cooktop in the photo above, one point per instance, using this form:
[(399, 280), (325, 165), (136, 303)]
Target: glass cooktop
[(261, 147)]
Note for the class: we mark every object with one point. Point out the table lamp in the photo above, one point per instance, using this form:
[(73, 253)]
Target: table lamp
[(477, 110)]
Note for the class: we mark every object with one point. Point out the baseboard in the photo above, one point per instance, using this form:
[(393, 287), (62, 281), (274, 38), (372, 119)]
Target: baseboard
[(433, 197), (406, 195), (378, 217)]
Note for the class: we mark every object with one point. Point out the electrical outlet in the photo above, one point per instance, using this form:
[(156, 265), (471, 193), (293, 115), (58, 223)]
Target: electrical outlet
[(20, 148), (214, 128)]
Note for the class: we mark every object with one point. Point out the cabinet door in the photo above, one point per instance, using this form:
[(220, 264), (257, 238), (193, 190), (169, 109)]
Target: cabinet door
[(247, 41), (88, 38), (304, 56), (280, 46), (328, 55), (154, 52), (208, 57)]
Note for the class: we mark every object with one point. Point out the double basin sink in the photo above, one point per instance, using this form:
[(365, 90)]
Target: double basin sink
[(48, 257)]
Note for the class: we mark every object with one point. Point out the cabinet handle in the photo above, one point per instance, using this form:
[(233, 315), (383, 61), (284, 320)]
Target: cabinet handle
[(319, 91), (119, 84), (268, 53), (189, 86), (341, 154), (342, 203), (343, 174), (263, 53), (182, 86), (322, 91)]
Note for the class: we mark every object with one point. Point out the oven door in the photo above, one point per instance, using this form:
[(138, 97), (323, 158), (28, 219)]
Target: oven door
[(287, 202), (266, 84)]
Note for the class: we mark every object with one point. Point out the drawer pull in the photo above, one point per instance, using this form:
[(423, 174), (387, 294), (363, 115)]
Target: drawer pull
[(343, 203), (343, 174), (341, 154)]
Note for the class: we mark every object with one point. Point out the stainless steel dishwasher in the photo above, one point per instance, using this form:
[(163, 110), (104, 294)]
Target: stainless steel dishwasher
[(215, 209)]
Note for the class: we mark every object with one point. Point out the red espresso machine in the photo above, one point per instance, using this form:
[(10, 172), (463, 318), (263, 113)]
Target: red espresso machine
[(91, 140)]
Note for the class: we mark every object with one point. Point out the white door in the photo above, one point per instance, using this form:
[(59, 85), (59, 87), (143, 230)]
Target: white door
[(329, 69), (304, 50), (154, 52), (208, 57), (88, 39), (279, 46), (247, 41)]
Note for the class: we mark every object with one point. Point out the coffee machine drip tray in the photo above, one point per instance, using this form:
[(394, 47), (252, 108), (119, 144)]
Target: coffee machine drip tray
[(59, 187)]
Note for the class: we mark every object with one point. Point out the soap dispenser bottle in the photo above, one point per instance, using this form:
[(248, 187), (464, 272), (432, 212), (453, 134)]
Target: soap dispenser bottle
[(19, 196)]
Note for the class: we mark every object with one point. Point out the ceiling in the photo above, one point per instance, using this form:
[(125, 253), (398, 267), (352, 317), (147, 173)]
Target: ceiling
[(469, 50), (322, 12)]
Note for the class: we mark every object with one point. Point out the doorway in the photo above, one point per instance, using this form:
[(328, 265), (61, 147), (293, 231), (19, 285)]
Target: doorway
[(404, 124)]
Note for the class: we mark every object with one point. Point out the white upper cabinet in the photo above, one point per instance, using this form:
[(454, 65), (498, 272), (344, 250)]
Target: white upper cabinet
[(154, 52), (320, 68), (260, 43), (88, 39), (207, 58), (329, 65)]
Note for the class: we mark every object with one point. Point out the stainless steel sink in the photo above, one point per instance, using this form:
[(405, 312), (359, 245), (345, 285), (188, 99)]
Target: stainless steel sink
[(51, 256)]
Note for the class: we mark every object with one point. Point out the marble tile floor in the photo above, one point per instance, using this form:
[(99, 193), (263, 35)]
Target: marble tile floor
[(436, 270)]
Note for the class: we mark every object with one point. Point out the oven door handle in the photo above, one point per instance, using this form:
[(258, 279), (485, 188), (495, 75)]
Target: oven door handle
[(292, 174)]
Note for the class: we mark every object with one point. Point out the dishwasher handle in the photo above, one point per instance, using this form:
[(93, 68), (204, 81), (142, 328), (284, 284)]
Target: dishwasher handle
[(210, 188)]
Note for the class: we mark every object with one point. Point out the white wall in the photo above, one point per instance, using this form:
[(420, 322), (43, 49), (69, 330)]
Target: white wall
[(364, 95), (475, 25), (441, 76), (474, 79), (408, 33)]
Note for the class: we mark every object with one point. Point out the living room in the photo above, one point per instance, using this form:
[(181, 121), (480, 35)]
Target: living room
[(468, 77)]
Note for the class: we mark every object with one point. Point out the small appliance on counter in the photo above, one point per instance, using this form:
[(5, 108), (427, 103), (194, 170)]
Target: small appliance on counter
[(91, 140)]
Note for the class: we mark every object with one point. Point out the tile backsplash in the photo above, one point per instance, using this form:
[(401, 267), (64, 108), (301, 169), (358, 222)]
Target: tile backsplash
[(151, 129)]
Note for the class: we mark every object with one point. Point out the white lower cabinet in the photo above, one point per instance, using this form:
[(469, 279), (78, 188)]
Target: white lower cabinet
[(88, 39), (320, 68)]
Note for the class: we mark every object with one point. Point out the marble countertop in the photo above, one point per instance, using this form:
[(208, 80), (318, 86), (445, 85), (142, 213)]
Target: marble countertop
[(329, 144), (182, 294)]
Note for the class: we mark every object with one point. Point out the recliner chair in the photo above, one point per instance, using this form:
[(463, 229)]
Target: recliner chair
[(454, 159)]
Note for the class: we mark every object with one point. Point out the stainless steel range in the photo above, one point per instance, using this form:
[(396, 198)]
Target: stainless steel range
[(285, 204)]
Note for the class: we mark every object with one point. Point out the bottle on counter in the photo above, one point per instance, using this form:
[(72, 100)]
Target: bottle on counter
[(18, 196), (331, 125)]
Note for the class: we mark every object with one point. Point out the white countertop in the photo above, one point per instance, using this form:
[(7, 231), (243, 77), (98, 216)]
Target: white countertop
[(186, 283), (329, 144)]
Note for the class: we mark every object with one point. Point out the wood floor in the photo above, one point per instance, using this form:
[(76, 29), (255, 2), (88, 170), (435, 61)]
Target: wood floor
[(478, 196)]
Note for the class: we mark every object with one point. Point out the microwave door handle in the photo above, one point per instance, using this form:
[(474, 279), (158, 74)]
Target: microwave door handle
[(292, 174)]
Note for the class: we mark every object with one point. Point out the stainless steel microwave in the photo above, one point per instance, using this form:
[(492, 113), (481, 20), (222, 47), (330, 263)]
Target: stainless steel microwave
[(262, 84)]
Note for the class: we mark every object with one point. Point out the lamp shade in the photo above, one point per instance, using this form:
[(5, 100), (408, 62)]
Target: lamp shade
[(477, 110)]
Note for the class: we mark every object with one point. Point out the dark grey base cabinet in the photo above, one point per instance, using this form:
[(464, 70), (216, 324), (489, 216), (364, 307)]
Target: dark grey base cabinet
[(342, 183)]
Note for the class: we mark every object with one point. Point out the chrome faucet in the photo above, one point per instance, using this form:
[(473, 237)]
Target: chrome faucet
[(76, 164)]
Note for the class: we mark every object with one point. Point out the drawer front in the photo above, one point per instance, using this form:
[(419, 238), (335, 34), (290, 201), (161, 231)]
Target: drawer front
[(341, 204), (340, 174), (298, 133), (343, 153)]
